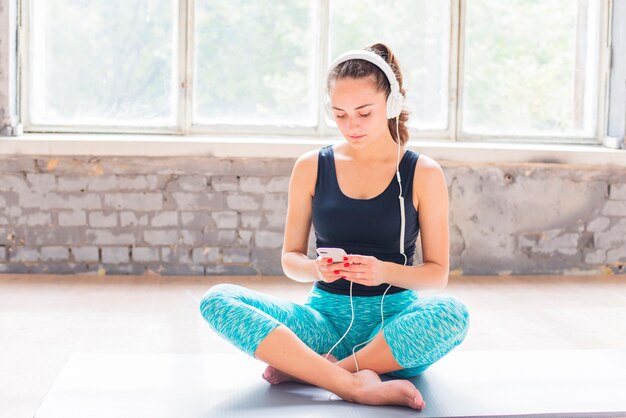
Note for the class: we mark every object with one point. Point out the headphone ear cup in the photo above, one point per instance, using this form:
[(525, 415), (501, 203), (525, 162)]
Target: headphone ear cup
[(329, 111), (394, 104)]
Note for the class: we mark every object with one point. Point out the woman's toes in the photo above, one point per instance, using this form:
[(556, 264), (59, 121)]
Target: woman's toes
[(417, 402), (275, 376), (270, 375)]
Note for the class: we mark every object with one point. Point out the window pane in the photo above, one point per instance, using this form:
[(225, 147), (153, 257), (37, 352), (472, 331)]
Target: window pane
[(255, 63), (530, 67), (104, 62), (418, 32)]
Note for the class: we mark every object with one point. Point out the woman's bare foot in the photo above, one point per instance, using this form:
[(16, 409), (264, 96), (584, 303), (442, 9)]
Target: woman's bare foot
[(370, 390), (275, 376)]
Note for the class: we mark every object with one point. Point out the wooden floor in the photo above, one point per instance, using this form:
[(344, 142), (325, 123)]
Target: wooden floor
[(44, 318)]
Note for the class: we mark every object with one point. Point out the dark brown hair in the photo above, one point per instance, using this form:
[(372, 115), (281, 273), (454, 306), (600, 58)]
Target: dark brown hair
[(357, 68)]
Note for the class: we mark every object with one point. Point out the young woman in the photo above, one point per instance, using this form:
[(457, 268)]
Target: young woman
[(370, 298)]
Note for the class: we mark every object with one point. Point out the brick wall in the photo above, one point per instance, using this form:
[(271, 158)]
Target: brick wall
[(211, 216), (134, 215)]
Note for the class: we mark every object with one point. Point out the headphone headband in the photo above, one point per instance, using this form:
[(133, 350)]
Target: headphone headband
[(374, 59), (395, 99)]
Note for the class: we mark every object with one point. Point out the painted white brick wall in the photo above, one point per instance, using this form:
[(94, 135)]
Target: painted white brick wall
[(226, 216)]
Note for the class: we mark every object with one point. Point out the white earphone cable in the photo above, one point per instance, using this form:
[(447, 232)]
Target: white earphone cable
[(382, 301)]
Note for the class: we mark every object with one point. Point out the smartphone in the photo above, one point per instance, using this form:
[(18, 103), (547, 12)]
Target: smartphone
[(334, 253)]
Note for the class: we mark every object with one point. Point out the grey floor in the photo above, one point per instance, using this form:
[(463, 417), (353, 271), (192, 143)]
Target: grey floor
[(43, 319), (514, 383)]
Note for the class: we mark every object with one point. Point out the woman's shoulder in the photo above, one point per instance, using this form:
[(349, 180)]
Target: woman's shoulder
[(305, 169), (428, 174), (309, 159), (425, 163)]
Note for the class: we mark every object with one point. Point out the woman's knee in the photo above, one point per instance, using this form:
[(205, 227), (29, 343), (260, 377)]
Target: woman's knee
[(216, 297), (427, 333), (454, 313)]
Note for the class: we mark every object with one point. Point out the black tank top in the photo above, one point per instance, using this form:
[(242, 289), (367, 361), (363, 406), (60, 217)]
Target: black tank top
[(364, 226)]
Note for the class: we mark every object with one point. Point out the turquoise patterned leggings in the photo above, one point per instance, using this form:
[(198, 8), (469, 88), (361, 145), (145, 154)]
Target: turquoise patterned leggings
[(419, 330)]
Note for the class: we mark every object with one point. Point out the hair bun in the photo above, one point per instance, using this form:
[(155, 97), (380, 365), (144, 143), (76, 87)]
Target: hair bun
[(382, 50)]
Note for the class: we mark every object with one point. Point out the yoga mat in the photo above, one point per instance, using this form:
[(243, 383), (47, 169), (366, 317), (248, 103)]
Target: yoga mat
[(536, 383)]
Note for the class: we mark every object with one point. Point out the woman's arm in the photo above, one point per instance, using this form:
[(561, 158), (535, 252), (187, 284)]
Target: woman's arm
[(433, 206), (431, 193), (294, 259)]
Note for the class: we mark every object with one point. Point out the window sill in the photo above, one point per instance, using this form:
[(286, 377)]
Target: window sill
[(288, 147)]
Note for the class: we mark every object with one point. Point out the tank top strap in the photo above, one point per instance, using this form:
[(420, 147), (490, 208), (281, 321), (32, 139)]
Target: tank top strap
[(324, 168), (407, 172)]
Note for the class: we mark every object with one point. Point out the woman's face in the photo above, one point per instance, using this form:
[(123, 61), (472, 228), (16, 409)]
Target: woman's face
[(360, 110)]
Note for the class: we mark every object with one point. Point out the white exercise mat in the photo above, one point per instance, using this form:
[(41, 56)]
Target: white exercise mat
[(576, 383)]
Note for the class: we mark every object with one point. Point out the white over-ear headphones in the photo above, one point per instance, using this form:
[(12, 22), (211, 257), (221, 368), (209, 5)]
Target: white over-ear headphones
[(394, 108), (395, 98)]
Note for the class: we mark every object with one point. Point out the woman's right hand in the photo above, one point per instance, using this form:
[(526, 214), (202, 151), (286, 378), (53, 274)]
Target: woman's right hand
[(328, 272)]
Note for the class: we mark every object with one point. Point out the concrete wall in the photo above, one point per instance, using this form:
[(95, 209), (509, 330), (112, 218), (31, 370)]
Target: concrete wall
[(206, 216), (537, 218)]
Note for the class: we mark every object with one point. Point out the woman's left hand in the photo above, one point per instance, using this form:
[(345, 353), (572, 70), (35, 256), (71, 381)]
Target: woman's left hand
[(363, 269)]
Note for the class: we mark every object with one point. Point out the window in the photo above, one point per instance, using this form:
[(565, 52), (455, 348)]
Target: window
[(531, 67), (255, 63), (477, 69), (103, 63)]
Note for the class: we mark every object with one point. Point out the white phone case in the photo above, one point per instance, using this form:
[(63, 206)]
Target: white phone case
[(334, 253)]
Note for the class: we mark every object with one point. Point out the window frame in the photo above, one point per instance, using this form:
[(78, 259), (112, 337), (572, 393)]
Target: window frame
[(453, 132)]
